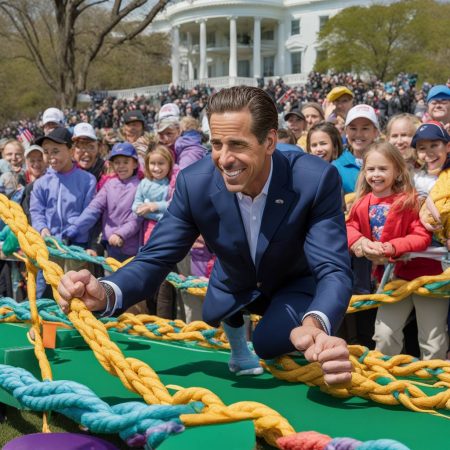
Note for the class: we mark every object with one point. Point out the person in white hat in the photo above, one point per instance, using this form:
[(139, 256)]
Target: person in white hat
[(361, 128), (51, 119), (86, 150), (36, 162)]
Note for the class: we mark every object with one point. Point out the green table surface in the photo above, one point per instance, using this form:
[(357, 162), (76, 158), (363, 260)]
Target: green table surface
[(306, 408)]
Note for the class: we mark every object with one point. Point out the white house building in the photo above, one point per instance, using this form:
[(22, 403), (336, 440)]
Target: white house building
[(222, 42)]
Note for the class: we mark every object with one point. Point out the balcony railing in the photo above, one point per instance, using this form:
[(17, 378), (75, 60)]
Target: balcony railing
[(294, 79)]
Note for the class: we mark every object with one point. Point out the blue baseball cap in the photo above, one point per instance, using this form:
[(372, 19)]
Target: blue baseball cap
[(439, 92), (430, 131), (123, 149)]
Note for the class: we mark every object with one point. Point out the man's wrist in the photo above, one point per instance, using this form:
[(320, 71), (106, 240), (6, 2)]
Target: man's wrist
[(314, 320), (110, 297)]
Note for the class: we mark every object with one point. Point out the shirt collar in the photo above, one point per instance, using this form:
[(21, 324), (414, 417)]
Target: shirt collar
[(265, 188)]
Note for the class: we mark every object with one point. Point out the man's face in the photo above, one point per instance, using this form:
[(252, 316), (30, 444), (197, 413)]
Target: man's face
[(243, 162), (85, 152), (168, 136), (133, 130), (296, 125), (440, 110), (13, 153), (343, 105)]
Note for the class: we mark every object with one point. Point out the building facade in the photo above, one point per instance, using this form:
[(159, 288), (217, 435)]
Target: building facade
[(223, 42)]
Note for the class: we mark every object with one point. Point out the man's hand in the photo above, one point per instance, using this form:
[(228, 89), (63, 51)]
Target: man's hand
[(45, 232), (331, 352), (82, 285)]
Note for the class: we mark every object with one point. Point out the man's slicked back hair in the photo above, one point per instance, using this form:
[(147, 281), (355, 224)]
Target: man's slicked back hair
[(255, 100)]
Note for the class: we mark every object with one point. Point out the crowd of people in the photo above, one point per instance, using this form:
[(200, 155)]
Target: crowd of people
[(103, 178)]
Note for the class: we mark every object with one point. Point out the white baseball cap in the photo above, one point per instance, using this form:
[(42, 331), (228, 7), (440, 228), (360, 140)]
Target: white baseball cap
[(84, 130), (169, 110), (33, 148), (53, 115), (362, 111)]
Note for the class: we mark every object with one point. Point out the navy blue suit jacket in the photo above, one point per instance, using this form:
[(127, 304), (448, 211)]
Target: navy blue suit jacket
[(302, 245)]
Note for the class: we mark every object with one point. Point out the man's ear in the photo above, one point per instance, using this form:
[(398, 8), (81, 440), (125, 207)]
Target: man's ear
[(271, 141)]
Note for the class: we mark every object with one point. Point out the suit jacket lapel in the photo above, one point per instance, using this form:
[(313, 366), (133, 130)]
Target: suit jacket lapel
[(278, 203), (227, 208)]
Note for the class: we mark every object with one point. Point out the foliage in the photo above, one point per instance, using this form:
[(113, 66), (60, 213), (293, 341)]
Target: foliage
[(407, 36), (63, 38)]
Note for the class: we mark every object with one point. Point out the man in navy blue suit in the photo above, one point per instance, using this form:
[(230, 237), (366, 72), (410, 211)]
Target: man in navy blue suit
[(276, 225)]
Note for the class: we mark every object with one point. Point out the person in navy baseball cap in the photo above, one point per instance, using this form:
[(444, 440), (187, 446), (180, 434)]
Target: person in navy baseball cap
[(123, 149), (432, 144), (430, 131)]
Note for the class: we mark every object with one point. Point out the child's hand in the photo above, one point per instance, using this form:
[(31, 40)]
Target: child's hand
[(371, 249), (388, 249), (45, 232), (146, 208), (91, 252), (115, 240)]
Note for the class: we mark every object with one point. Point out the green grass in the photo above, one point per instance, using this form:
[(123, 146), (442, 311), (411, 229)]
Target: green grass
[(21, 422)]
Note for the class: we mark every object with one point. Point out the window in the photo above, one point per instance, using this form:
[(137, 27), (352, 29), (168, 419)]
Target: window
[(211, 39), (296, 62), (269, 66), (322, 21), (267, 35), (295, 27), (243, 68)]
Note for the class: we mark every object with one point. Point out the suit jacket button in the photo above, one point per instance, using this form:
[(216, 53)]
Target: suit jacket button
[(259, 284)]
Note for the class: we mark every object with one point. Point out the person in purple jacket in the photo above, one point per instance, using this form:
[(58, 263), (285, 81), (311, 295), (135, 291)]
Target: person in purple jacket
[(121, 228)]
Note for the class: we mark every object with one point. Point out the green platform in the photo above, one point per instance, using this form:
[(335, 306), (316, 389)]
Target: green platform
[(306, 408)]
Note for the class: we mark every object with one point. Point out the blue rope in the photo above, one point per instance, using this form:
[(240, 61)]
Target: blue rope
[(135, 422)]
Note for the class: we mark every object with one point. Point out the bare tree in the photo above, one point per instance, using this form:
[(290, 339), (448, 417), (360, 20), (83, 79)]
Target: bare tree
[(64, 37)]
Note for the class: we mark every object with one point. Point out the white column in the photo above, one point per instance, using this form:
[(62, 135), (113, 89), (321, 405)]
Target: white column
[(176, 55), (232, 68), (281, 63), (189, 57), (257, 47), (203, 73)]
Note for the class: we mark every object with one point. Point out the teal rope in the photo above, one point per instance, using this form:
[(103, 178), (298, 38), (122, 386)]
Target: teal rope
[(74, 252), (48, 310), (137, 424)]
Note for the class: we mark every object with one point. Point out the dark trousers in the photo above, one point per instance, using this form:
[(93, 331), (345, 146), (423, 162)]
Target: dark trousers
[(280, 315)]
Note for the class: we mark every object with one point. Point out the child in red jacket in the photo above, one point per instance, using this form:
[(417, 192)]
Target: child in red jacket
[(384, 223)]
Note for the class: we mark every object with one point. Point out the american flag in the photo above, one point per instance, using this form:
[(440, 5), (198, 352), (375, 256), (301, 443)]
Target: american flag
[(25, 136), (285, 96)]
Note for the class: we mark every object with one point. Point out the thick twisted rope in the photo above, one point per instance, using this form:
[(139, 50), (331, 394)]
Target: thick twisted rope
[(135, 422), (140, 378), (370, 365), (134, 374)]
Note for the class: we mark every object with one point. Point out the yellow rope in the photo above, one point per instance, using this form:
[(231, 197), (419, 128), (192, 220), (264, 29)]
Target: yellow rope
[(136, 375), (140, 378)]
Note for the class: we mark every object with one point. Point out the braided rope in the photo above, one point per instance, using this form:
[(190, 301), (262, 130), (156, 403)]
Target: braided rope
[(135, 422), (140, 378), (135, 375)]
